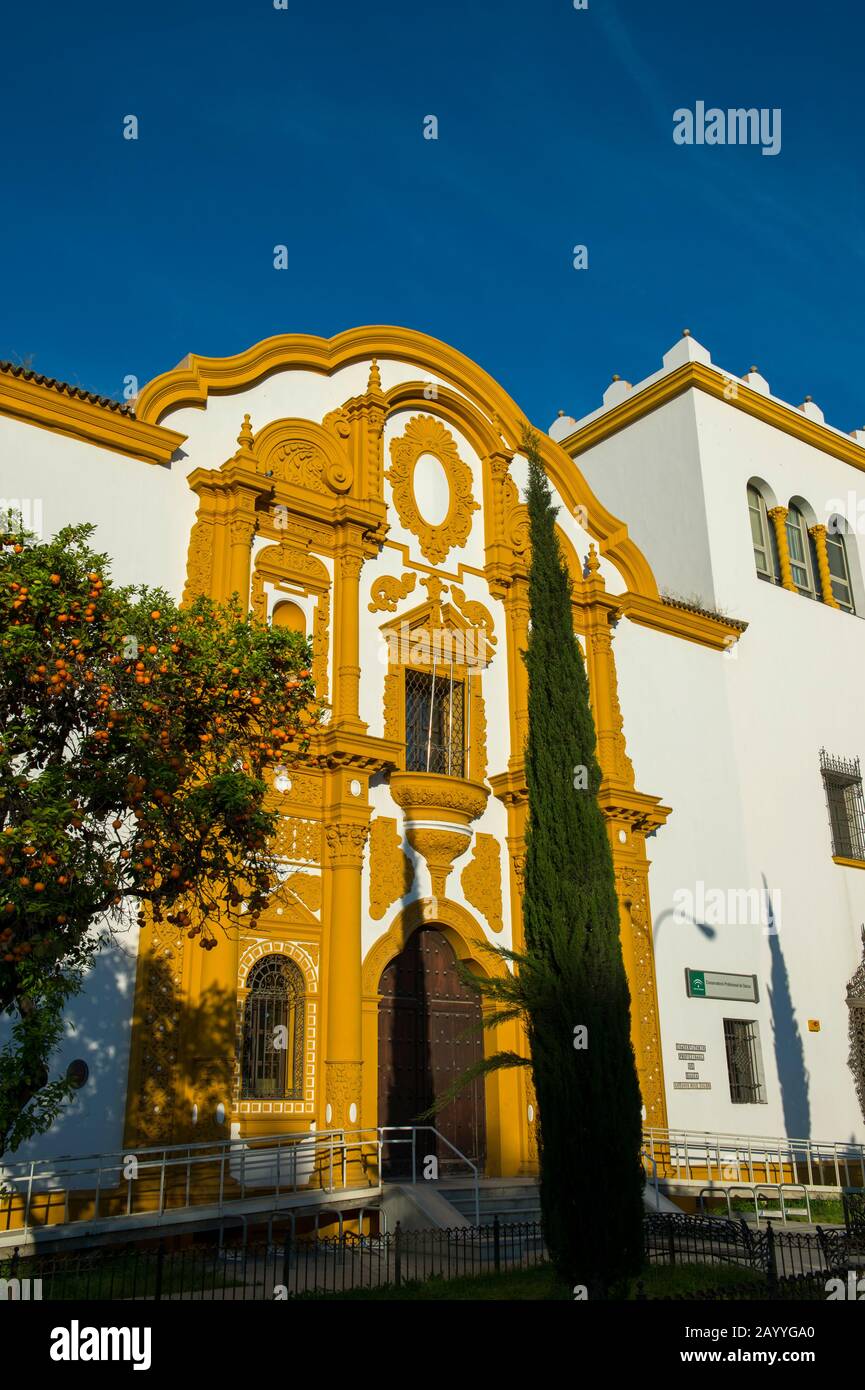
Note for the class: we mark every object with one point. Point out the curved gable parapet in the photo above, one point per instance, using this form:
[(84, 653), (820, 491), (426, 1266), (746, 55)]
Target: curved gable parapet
[(470, 399)]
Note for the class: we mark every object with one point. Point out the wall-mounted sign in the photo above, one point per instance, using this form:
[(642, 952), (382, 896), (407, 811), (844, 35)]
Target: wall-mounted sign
[(711, 984), (693, 1056)]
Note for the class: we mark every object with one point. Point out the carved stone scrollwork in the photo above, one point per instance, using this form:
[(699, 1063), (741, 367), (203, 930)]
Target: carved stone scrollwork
[(199, 566), (391, 871), (482, 880), (386, 592), (301, 463), (320, 644)]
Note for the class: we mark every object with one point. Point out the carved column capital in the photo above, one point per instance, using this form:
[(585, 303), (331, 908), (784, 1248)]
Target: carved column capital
[(345, 844)]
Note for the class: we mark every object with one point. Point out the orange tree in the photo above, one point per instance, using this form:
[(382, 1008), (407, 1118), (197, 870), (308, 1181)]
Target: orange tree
[(134, 736)]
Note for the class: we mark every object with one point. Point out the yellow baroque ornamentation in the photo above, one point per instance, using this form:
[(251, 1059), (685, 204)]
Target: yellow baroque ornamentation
[(391, 871), (426, 435), (476, 613), (632, 888), (199, 565), (482, 880), (306, 887), (343, 1090), (386, 592), (320, 641), (447, 798), (346, 843), (392, 690), (439, 848), (298, 841)]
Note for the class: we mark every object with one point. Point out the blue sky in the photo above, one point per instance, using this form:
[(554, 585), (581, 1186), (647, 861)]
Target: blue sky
[(304, 127)]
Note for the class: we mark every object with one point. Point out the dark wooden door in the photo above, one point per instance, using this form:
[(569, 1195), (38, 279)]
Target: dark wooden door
[(429, 1032)]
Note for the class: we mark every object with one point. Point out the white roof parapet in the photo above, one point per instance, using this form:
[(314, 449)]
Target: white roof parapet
[(686, 350), (562, 426), (813, 411), (617, 391), (757, 382)]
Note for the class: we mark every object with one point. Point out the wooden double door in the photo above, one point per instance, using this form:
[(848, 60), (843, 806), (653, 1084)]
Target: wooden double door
[(429, 1033)]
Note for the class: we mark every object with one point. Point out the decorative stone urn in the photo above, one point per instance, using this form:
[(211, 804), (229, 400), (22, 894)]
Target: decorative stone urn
[(438, 813)]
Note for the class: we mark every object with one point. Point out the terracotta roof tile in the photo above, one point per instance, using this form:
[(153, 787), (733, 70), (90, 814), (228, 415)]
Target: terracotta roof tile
[(65, 389), (689, 607)]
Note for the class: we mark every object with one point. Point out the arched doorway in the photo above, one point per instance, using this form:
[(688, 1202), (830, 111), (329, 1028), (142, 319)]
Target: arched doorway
[(428, 1034)]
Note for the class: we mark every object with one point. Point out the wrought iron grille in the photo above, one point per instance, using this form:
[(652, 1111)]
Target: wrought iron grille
[(743, 1064), (856, 1057), (434, 724), (272, 1049), (842, 779)]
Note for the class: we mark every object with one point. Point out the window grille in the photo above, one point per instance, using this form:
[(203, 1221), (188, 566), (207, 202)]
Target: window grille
[(744, 1064), (272, 1054), (434, 723), (842, 779)]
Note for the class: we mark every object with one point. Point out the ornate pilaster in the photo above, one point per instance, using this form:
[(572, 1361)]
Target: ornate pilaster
[(779, 521), (818, 532), (630, 816), (347, 660), (517, 608), (344, 1051), (241, 529)]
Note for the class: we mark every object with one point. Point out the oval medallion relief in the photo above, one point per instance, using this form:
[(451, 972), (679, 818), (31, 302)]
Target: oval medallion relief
[(431, 486)]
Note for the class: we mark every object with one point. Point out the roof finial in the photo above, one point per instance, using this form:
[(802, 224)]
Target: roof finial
[(686, 332), (245, 440), (593, 564), (374, 383)]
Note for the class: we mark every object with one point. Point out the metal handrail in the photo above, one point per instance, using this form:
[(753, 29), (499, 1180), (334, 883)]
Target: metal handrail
[(752, 1191), (101, 1175), (680, 1151)]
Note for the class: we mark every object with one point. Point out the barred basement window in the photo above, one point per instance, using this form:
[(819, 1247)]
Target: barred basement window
[(744, 1063), (272, 1055), (842, 779), (434, 724)]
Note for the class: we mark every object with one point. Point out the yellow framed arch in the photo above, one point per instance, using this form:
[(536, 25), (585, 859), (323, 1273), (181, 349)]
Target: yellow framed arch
[(507, 1141), (464, 934)]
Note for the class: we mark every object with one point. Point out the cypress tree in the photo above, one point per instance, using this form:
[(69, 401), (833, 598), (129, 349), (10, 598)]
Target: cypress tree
[(573, 974)]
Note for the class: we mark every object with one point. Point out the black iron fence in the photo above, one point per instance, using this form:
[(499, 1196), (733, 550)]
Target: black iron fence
[(279, 1269), (787, 1264)]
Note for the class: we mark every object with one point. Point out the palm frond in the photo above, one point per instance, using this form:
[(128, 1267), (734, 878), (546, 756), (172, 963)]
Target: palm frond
[(500, 1061)]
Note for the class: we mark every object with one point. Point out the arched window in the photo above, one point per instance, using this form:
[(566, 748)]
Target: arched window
[(799, 545), (289, 615), (763, 537), (839, 565), (272, 1054)]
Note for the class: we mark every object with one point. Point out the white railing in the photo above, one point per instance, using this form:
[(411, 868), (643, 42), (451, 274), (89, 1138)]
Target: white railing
[(692, 1156), (140, 1184)]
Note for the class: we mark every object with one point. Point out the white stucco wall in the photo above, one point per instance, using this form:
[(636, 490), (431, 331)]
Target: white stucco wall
[(732, 743)]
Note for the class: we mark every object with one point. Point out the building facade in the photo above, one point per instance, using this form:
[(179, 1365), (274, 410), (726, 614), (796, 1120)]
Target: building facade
[(368, 491)]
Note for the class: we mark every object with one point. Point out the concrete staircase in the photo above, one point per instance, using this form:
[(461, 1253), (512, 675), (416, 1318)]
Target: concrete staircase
[(511, 1199)]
